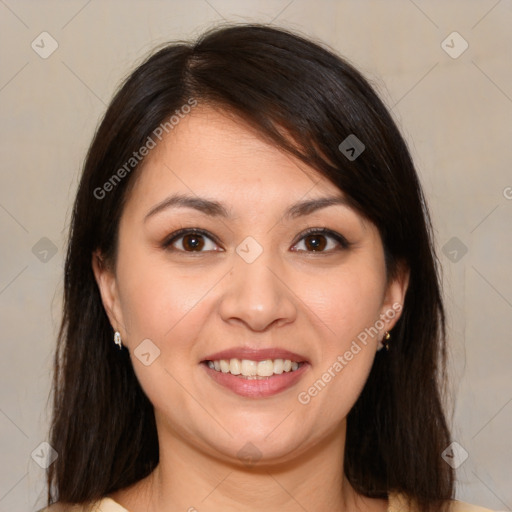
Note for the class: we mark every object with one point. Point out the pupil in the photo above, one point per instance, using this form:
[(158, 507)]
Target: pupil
[(192, 241), (315, 242)]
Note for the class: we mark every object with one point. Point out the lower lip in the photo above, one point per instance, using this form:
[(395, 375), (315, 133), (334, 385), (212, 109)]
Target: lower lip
[(257, 388)]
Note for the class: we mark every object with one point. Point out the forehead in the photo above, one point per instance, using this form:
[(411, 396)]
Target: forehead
[(210, 153)]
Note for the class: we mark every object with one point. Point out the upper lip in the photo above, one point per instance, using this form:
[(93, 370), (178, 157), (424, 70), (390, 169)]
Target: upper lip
[(254, 354)]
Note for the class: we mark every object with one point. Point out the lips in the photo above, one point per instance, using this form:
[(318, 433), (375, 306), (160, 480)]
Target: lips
[(259, 387), (256, 354)]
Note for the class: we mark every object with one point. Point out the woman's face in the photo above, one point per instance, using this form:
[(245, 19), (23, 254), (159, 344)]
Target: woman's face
[(249, 278)]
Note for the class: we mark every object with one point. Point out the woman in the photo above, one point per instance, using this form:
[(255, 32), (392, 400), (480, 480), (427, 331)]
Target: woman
[(248, 233)]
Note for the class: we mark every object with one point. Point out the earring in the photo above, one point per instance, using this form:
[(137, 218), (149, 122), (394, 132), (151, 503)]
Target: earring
[(385, 340), (117, 339)]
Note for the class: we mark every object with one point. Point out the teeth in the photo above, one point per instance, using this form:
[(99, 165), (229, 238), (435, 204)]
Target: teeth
[(234, 367), (278, 366), (254, 369), (265, 368), (249, 368)]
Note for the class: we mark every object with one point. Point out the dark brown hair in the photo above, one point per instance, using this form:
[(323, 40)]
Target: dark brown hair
[(305, 100)]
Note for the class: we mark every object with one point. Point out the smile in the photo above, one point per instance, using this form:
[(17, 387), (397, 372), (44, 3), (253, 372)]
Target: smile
[(255, 379), (254, 369)]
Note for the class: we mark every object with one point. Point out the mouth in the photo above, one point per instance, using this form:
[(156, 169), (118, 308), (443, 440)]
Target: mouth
[(250, 369), (255, 373)]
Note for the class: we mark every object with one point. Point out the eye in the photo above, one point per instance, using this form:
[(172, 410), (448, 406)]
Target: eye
[(317, 240), (190, 240)]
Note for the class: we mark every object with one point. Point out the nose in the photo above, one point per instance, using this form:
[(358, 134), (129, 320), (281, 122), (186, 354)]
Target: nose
[(257, 294)]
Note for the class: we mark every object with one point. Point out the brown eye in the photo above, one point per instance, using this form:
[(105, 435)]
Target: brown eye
[(315, 242), (193, 242), (321, 240), (190, 240)]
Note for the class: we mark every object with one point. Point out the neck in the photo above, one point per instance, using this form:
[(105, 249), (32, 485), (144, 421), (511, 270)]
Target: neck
[(220, 486), (187, 479)]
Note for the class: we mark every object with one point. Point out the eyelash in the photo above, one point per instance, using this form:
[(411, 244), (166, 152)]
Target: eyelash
[(342, 241)]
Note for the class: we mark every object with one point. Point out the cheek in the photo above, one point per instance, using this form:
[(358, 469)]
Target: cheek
[(347, 306), (347, 302), (169, 308), (156, 298)]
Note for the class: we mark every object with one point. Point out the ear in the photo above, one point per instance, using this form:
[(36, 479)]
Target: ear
[(106, 281), (394, 297)]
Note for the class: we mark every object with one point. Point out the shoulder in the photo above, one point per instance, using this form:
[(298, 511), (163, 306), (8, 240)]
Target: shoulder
[(398, 503), (104, 505), (462, 506)]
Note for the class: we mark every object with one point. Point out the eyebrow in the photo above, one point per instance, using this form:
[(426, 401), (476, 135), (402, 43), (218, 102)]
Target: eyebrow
[(217, 209)]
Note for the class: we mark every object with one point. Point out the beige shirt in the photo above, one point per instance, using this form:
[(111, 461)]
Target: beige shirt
[(397, 503)]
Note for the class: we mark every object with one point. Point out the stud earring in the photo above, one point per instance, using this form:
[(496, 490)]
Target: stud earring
[(385, 340), (117, 339)]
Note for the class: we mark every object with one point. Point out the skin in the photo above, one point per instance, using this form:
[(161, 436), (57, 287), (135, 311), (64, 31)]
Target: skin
[(193, 304)]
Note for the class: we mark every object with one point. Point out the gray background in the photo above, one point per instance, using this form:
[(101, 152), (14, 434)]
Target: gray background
[(454, 112)]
